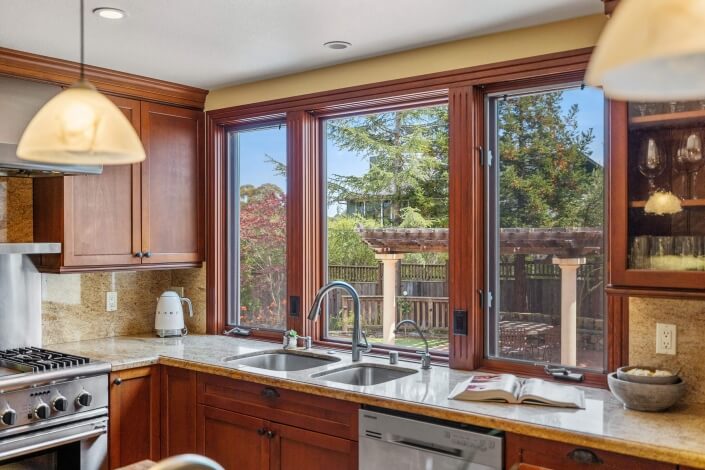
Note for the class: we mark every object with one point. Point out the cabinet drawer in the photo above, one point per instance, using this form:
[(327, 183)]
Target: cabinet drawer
[(325, 415), (559, 456)]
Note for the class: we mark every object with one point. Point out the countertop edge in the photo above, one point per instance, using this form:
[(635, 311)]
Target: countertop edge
[(619, 446)]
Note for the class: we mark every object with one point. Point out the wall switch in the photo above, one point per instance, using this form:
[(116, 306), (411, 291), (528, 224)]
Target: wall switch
[(665, 338), (178, 290), (111, 301)]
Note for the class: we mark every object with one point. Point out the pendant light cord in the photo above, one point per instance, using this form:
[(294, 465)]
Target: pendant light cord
[(82, 41)]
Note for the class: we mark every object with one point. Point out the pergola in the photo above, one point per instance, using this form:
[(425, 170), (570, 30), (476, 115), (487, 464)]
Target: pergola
[(567, 247)]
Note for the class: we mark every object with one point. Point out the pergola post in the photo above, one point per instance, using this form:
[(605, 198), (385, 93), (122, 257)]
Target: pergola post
[(389, 293), (569, 308)]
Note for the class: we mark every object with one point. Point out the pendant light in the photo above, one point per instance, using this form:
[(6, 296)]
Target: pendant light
[(80, 126), (652, 50)]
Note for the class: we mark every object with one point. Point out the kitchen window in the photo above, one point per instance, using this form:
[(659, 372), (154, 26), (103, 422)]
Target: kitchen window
[(257, 208), (386, 192), (545, 227)]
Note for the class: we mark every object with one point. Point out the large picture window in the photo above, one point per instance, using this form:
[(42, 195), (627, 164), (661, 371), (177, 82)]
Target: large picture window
[(545, 218), (387, 224), (257, 212)]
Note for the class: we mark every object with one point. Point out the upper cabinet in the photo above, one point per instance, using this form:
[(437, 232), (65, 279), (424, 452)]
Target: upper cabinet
[(146, 215), (657, 195)]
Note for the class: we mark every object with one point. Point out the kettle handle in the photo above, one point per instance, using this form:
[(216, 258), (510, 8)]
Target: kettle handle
[(190, 305)]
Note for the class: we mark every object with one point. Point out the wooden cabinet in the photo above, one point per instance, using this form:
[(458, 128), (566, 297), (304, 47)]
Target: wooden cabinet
[(531, 453), (281, 428), (178, 411), (134, 432), (144, 215), (656, 192)]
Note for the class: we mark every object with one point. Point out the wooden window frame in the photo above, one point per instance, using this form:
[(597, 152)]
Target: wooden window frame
[(464, 91)]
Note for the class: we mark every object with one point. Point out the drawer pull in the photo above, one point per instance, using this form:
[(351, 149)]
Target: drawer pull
[(261, 431), (269, 392), (584, 457), (117, 381), (271, 434)]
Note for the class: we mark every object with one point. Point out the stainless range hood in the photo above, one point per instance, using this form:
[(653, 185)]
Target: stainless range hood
[(19, 102)]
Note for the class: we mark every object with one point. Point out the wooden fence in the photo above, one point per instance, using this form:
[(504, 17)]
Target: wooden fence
[(428, 312)]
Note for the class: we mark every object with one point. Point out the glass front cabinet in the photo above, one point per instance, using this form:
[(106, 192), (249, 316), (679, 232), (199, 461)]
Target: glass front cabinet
[(657, 195)]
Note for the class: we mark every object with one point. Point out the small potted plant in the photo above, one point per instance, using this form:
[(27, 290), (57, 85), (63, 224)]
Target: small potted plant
[(289, 340)]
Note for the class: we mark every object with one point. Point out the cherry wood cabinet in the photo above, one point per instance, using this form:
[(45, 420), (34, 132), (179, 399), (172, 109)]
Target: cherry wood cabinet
[(134, 432), (290, 446), (145, 215), (178, 411), (524, 452)]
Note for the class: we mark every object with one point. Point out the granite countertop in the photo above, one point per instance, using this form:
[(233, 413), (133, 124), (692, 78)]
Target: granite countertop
[(677, 436)]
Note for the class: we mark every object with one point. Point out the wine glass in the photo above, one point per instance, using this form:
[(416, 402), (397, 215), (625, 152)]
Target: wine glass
[(651, 162), (694, 159)]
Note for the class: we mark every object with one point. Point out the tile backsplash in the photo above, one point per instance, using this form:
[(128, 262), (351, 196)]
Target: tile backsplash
[(73, 305)]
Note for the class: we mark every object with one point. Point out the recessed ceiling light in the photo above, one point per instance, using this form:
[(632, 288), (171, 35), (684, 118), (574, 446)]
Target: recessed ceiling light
[(109, 13), (337, 45)]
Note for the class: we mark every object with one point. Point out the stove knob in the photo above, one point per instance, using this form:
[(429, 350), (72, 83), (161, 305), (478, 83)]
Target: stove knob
[(42, 411), (84, 399), (60, 403), (8, 417)]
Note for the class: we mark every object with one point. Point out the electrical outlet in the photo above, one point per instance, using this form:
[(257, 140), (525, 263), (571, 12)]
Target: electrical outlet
[(111, 301), (665, 338), (178, 290)]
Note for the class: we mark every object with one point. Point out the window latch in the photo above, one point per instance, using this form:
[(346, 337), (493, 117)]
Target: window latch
[(485, 296), (561, 373), (489, 158)]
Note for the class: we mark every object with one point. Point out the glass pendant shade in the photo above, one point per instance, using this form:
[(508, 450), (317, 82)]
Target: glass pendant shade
[(652, 50), (80, 126)]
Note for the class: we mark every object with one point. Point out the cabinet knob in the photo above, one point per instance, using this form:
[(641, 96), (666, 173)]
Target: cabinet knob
[(117, 381), (139, 254), (271, 434), (269, 392), (148, 254), (584, 457), (261, 431)]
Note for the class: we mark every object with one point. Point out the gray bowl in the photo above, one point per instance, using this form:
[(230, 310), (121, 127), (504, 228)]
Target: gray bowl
[(645, 397), (642, 379)]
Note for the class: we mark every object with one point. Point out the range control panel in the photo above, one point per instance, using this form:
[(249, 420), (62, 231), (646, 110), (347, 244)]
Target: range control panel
[(20, 407)]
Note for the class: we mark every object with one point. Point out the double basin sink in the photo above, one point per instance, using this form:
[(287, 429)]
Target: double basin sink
[(359, 374)]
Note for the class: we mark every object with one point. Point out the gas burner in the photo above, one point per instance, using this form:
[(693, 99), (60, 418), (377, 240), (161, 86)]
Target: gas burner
[(38, 360)]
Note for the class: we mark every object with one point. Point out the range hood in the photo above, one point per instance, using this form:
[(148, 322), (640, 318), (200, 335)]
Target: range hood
[(19, 102)]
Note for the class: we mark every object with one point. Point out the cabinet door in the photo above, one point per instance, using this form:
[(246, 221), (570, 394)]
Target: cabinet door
[(102, 212), (291, 446), (550, 455), (172, 184), (235, 441), (134, 416), (178, 411)]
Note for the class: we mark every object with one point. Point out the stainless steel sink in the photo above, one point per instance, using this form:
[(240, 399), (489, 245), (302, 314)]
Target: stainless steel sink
[(364, 374), (282, 360)]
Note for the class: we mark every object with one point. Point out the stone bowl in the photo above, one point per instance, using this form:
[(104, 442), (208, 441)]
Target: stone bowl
[(645, 397), (622, 374)]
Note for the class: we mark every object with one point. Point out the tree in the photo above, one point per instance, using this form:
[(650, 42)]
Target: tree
[(345, 247), (263, 254), (547, 178)]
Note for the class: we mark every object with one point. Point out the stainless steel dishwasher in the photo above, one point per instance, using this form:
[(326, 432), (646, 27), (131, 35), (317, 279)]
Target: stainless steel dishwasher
[(405, 442)]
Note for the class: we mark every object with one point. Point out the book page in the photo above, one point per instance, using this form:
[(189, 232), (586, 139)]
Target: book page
[(497, 387), (537, 391)]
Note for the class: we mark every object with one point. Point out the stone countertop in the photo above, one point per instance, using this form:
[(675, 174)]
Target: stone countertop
[(677, 436)]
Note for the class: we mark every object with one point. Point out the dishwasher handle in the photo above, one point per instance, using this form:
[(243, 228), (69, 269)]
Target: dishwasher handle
[(425, 446)]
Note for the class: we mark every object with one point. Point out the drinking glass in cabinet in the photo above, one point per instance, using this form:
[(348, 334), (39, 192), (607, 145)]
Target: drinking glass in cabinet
[(640, 257), (651, 162)]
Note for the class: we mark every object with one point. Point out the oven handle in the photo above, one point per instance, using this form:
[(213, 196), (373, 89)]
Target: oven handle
[(99, 429)]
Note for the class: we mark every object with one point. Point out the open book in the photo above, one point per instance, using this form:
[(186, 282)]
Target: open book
[(507, 388)]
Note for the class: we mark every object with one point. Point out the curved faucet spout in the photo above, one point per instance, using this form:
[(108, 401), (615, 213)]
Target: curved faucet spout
[(358, 335), (425, 356)]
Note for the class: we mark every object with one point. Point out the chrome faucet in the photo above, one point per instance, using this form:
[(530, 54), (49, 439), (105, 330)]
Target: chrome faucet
[(358, 335), (425, 356)]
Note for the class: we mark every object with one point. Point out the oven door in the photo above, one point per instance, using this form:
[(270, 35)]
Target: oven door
[(78, 445)]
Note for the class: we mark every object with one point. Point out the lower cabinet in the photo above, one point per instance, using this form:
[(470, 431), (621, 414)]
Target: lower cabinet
[(134, 432), (530, 453), (178, 411), (242, 442)]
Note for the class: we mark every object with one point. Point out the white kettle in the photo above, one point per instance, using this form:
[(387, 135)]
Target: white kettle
[(169, 318)]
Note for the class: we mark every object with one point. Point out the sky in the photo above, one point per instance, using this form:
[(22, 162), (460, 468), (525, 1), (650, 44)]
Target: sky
[(255, 145)]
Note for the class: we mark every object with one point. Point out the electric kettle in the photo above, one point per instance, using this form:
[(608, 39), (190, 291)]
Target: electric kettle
[(169, 318)]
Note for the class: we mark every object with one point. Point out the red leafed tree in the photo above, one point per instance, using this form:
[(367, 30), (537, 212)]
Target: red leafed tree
[(263, 255)]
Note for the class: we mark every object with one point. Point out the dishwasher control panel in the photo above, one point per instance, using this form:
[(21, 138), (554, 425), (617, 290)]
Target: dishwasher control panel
[(389, 441)]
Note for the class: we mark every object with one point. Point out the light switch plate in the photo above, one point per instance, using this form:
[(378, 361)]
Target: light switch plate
[(111, 301), (665, 338)]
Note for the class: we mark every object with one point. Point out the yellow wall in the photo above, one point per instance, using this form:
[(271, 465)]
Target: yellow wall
[(527, 42)]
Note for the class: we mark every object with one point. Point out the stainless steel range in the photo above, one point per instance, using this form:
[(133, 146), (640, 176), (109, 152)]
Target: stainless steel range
[(53, 410)]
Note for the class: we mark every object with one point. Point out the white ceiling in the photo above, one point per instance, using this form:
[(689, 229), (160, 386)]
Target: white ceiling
[(212, 43)]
